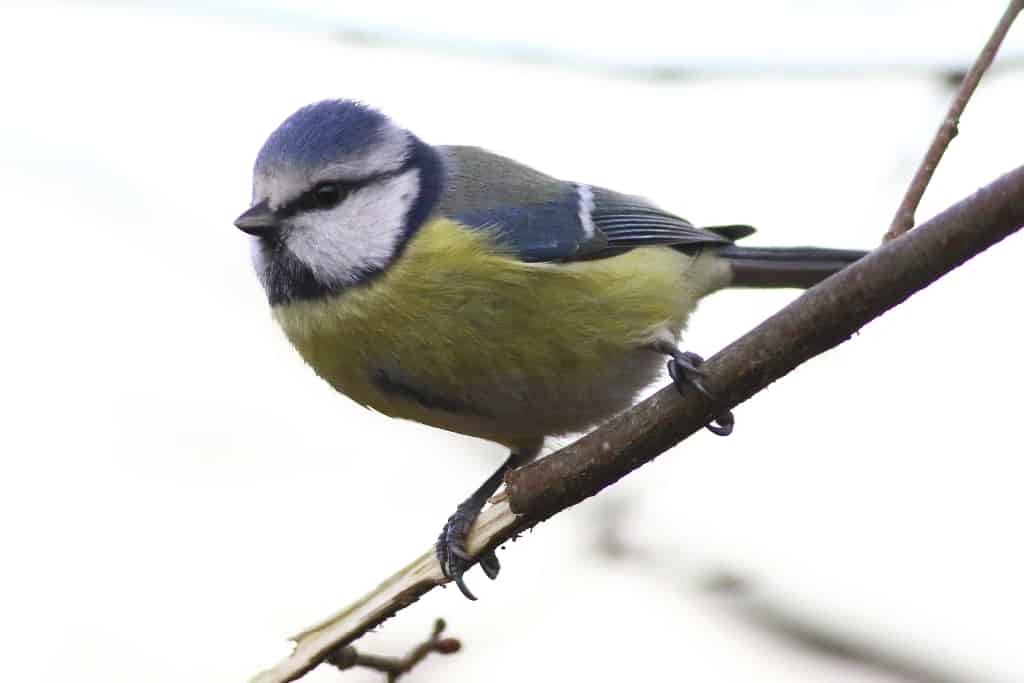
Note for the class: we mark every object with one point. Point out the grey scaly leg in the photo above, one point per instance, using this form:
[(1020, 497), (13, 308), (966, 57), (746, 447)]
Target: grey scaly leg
[(451, 544)]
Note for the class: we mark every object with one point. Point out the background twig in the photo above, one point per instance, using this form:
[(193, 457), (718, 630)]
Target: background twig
[(348, 657), (904, 218), (819, 319)]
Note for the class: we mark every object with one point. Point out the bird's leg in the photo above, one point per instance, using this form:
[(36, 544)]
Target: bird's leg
[(451, 544), (684, 368)]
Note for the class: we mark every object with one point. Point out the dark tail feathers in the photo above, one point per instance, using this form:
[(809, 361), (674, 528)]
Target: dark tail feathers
[(785, 266)]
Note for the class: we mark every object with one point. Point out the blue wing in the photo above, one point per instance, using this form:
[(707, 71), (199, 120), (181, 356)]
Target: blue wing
[(590, 223), (628, 221), (547, 231), (546, 219)]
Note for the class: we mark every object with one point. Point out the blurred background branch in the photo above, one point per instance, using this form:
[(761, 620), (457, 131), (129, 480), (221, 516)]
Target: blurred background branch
[(662, 51), (751, 601), (796, 629)]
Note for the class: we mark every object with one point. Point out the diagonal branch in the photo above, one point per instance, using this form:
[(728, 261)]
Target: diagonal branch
[(948, 129), (821, 318)]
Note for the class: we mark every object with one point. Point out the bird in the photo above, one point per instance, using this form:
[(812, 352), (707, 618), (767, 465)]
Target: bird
[(469, 292)]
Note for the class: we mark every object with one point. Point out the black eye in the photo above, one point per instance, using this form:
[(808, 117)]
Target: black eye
[(327, 195)]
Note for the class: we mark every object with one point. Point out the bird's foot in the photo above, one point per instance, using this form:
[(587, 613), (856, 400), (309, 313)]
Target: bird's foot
[(451, 544), (684, 368), (451, 549)]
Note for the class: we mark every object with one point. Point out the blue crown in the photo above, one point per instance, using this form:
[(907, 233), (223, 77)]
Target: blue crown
[(320, 132)]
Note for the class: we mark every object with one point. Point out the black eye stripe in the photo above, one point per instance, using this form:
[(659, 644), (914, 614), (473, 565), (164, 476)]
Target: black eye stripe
[(316, 199), (307, 201)]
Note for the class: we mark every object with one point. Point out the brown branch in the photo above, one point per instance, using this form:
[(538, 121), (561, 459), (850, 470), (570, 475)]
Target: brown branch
[(348, 657), (819, 319), (948, 129)]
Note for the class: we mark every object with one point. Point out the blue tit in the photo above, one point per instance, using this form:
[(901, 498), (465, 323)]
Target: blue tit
[(467, 291)]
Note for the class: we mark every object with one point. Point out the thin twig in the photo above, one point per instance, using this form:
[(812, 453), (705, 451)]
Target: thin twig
[(821, 318), (348, 657), (948, 129)]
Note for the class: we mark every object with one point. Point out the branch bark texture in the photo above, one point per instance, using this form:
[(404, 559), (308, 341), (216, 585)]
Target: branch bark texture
[(818, 320)]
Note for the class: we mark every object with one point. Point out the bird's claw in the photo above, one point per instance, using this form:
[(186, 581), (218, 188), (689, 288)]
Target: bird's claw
[(684, 368), (452, 554), (489, 563)]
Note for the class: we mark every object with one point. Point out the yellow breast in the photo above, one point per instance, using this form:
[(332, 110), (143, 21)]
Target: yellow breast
[(482, 336)]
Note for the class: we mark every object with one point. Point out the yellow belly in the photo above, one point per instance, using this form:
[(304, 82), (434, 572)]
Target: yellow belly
[(513, 351)]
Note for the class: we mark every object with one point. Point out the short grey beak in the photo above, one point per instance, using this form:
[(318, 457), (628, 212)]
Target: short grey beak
[(258, 220)]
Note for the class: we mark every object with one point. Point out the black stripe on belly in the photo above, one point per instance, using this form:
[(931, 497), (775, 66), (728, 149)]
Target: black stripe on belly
[(390, 384)]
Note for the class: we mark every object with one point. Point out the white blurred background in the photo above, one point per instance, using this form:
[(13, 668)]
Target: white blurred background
[(181, 493)]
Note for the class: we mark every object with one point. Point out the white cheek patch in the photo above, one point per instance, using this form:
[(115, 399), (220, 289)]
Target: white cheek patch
[(362, 233)]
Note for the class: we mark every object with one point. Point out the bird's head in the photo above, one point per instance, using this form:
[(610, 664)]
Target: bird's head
[(337, 191)]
